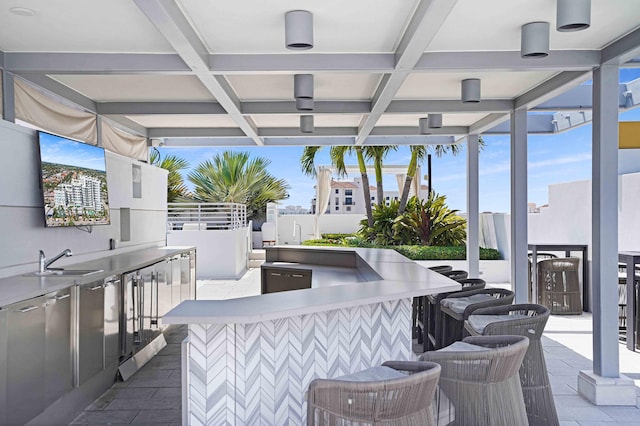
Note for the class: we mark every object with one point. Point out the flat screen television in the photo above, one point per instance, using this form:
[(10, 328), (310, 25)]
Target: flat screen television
[(74, 182)]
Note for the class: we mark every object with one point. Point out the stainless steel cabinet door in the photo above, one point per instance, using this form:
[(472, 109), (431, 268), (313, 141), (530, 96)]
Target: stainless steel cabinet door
[(112, 289), (128, 325), (185, 277), (176, 296), (90, 331), (58, 358), (192, 275), (3, 366), (25, 360), (163, 279)]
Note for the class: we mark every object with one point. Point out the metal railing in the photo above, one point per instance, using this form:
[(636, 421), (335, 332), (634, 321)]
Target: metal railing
[(202, 216)]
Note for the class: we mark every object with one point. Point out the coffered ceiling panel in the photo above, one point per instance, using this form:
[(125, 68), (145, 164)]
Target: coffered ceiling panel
[(408, 120), (78, 25), (326, 86), (320, 120), (110, 88), (176, 120), (251, 26), (494, 85)]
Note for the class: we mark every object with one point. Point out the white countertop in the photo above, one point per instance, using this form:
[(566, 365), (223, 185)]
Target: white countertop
[(20, 287), (400, 278)]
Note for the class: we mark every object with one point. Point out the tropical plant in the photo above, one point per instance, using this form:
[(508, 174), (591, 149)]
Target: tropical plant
[(337, 154), (428, 222), (233, 177), (176, 188), (432, 223)]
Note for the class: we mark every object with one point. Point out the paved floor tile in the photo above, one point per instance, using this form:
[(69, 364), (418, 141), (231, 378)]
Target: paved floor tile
[(592, 413), (155, 416), (168, 393), (144, 404), (130, 393), (105, 417)]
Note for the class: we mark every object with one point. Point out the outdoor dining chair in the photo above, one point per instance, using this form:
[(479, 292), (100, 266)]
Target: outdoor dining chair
[(431, 320), (479, 383), (559, 286), (457, 307), (419, 306), (523, 320), (396, 393)]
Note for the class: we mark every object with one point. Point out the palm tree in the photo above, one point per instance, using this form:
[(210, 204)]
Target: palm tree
[(233, 177), (337, 154), (377, 154), (176, 189), (418, 153)]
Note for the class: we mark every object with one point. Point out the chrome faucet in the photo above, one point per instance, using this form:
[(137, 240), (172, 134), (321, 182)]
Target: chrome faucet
[(44, 263)]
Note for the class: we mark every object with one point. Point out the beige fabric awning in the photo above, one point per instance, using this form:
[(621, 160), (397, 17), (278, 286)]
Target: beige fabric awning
[(123, 143)]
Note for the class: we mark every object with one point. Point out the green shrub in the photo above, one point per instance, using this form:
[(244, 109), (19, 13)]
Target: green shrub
[(414, 252)]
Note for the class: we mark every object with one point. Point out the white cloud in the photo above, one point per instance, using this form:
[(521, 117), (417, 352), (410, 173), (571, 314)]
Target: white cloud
[(576, 158)]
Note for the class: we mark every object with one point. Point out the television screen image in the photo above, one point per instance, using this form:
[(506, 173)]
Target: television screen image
[(74, 182)]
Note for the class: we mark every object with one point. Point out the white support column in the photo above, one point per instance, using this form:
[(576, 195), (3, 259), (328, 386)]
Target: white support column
[(519, 263), (8, 98), (604, 385), (473, 228)]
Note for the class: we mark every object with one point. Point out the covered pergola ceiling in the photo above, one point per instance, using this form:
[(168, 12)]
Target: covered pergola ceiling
[(195, 72)]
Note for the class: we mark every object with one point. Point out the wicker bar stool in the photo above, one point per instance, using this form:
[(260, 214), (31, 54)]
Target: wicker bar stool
[(431, 321), (479, 378), (523, 320), (457, 307), (419, 306), (379, 395), (534, 270), (456, 274), (559, 286)]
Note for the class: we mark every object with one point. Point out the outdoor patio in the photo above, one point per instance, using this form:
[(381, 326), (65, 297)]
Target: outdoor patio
[(153, 396)]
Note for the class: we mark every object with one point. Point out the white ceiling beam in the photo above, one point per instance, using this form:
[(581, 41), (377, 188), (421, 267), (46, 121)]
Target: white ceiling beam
[(128, 125), (551, 88), (96, 63), (282, 132), (409, 140), (196, 132), (196, 142), (174, 26), (558, 60), (634, 63), (448, 106), (148, 108), (319, 107), (487, 123), (414, 131), (171, 63), (424, 25), (622, 50)]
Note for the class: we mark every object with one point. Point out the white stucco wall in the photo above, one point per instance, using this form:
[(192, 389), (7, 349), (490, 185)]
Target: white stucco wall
[(221, 254), (21, 208)]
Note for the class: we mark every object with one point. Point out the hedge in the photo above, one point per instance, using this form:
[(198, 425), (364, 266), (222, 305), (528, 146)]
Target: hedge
[(412, 252)]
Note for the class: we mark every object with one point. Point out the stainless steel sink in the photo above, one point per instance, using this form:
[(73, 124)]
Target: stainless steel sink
[(64, 273)]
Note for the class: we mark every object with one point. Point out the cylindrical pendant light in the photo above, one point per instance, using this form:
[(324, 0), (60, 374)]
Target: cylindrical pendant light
[(303, 86), (298, 29), (423, 125), (435, 121), (534, 40), (306, 123), (471, 90), (573, 15), (304, 104)]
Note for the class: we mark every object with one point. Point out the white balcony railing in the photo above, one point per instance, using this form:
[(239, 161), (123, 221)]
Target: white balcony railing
[(201, 216)]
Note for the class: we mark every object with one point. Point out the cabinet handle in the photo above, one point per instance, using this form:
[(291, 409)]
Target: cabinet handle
[(98, 287), (276, 274), (64, 296), (297, 275), (27, 309)]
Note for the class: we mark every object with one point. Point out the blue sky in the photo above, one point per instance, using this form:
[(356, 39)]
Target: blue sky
[(562, 157), (54, 149)]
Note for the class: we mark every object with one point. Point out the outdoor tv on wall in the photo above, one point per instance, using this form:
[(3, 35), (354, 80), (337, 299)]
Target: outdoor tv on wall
[(74, 182)]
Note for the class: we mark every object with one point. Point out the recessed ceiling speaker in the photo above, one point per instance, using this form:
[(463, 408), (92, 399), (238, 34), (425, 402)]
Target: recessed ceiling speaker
[(470, 90), (534, 40), (304, 104), (303, 86), (434, 121), (298, 29), (573, 15), (306, 123)]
